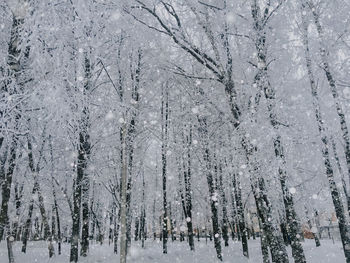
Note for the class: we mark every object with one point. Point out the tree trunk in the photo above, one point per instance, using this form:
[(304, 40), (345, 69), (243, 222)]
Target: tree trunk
[(272, 235), (55, 205), (263, 84), (47, 232), (28, 223), (317, 240), (123, 208), (6, 188), (264, 244), (331, 82), (186, 199), (337, 161), (18, 204), (116, 232), (137, 230), (165, 117), (336, 197), (9, 240), (240, 214), (213, 197), (224, 209), (76, 217), (35, 169), (83, 157)]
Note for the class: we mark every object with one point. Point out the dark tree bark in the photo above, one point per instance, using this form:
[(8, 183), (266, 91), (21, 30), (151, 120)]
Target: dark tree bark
[(264, 245), (224, 208), (284, 231), (213, 197), (28, 223), (240, 214), (55, 204), (137, 230), (116, 232), (337, 161), (165, 123), (83, 153), (123, 199), (18, 203), (85, 150), (5, 195), (185, 174), (143, 215)]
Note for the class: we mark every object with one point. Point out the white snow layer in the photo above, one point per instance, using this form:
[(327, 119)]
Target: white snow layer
[(177, 252)]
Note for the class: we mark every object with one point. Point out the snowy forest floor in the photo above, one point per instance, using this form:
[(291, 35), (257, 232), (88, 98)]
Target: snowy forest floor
[(177, 252)]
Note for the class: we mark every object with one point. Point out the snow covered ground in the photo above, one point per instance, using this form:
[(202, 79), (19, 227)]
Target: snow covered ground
[(177, 252)]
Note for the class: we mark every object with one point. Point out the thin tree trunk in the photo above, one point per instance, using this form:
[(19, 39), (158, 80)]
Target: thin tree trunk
[(47, 232), (85, 218), (123, 213), (5, 194), (76, 217), (28, 223), (337, 161), (165, 117), (116, 232), (203, 129), (18, 204), (317, 240), (9, 240), (143, 214), (85, 151), (55, 205), (59, 235), (224, 209), (187, 199), (240, 214), (6, 188)]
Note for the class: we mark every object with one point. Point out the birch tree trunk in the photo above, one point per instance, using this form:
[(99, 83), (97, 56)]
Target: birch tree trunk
[(263, 84), (55, 205), (224, 208), (340, 169), (336, 197), (213, 196), (331, 82), (164, 138), (271, 235), (5, 195), (123, 208), (35, 169), (240, 214), (185, 174), (85, 146), (188, 192)]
